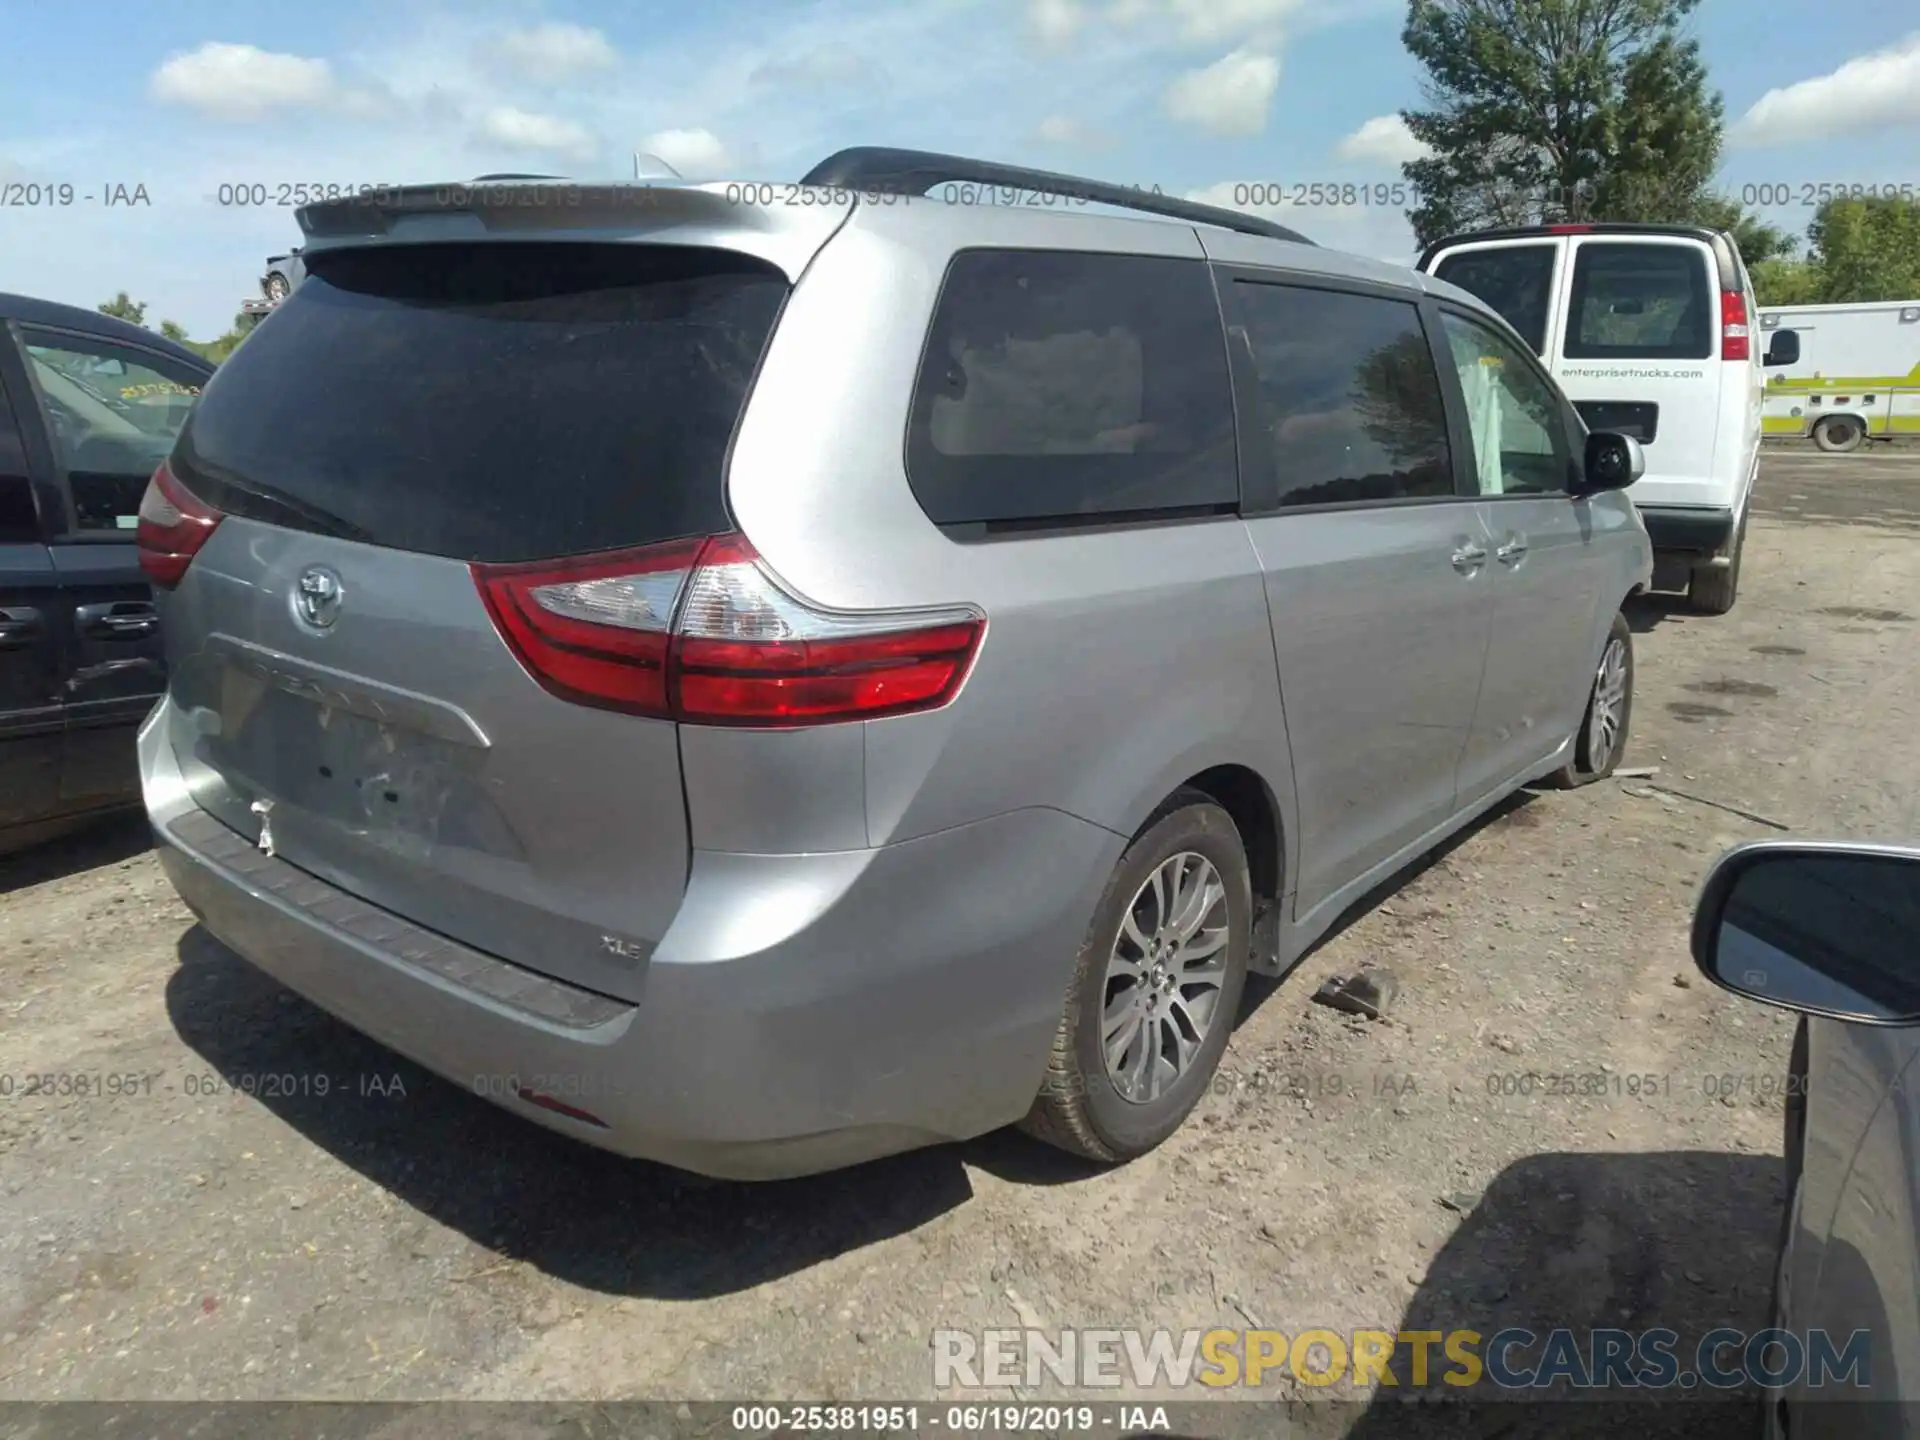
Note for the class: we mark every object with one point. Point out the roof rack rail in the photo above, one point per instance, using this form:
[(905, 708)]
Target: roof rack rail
[(916, 172)]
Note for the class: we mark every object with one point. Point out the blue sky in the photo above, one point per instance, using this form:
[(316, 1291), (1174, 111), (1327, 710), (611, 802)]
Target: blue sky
[(1196, 96)]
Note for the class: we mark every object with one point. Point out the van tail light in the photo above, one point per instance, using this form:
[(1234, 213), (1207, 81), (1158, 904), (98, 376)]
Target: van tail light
[(174, 523), (1569, 229), (701, 631), (1736, 330)]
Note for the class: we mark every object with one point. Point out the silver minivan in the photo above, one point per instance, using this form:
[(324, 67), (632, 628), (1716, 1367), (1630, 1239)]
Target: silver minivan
[(764, 676)]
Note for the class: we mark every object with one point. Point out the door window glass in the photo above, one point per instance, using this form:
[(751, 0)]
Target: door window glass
[(1515, 418), (1351, 401), (1642, 300), (112, 412)]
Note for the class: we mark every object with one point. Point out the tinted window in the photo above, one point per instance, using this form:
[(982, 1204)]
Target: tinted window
[(1351, 401), (1516, 280), (492, 401), (1518, 425), (1638, 301), (1058, 385), (19, 522), (112, 413)]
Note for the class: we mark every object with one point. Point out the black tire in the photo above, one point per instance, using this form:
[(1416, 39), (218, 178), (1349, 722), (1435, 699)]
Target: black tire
[(1079, 1109), (1589, 762), (276, 287), (1712, 592), (1839, 434)]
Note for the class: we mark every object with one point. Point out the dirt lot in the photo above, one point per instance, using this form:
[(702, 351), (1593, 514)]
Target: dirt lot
[(399, 1239)]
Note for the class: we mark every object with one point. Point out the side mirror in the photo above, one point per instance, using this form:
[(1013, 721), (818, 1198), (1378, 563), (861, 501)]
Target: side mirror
[(1613, 462), (1783, 348), (1827, 929)]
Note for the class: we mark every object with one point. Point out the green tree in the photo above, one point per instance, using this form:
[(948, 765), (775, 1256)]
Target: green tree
[(1866, 249), (123, 307), (221, 347), (173, 330), (1787, 282), (1542, 110), (1759, 242)]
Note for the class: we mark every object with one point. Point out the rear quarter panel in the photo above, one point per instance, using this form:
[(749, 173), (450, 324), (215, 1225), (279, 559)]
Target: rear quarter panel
[(1116, 663)]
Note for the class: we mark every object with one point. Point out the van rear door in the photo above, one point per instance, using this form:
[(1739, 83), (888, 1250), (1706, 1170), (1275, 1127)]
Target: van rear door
[(1639, 352)]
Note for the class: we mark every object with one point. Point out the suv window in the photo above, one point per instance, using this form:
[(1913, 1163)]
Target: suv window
[(112, 413), (1519, 427), (19, 520), (1644, 300), (1057, 384), (492, 402), (1351, 401), (1516, 280)]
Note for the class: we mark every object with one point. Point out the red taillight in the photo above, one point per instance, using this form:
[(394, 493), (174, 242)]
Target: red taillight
[(1736, 333), (1569, 229), (593, 629), (699, 630), (174, 523)]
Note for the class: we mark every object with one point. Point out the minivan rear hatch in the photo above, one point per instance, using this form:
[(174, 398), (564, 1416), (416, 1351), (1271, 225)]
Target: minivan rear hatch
[(341, 693)]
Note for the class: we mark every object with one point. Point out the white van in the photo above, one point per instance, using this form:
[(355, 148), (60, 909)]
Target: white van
[(1650, 329)]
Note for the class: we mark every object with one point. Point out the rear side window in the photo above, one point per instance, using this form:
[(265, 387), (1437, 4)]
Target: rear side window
[(1351, 399), (1640, 301), (1516, 280), (490, 402), (1058, 385)]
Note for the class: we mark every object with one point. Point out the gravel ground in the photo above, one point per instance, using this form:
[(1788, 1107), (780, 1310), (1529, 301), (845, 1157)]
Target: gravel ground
[(395, 1238)]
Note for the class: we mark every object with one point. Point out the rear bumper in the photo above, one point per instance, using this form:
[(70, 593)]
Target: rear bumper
[(1699, 530), (914, 1002)]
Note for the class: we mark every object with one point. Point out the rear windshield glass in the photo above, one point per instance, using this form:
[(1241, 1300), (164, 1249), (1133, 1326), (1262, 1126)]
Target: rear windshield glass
[(1644, 300), (490, 402), (1059, 385), (1516, 280)]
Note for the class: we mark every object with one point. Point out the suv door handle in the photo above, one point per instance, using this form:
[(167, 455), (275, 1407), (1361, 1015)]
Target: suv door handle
[(1514, 551), (20, 626), (1469, 558), (117, 620)]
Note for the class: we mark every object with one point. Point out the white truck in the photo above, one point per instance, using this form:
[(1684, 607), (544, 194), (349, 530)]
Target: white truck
[(1858, 376)]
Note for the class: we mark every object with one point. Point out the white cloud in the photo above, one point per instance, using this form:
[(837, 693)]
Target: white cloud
[(551, 53), (1055, 21), (1383, 140), (1208, 21), (1193, 22), (1065, 130), (1869, 91), (525, 130), (242, 82), (696, 154), (1228, 97)]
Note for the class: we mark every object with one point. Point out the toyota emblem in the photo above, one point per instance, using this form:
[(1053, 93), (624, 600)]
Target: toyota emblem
[(316, 599)]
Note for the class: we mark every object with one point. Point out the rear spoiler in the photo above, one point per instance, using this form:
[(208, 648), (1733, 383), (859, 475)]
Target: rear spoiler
[(771, 221)]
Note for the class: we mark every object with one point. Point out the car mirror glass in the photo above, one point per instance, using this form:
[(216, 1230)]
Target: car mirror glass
[(1829, 932)]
